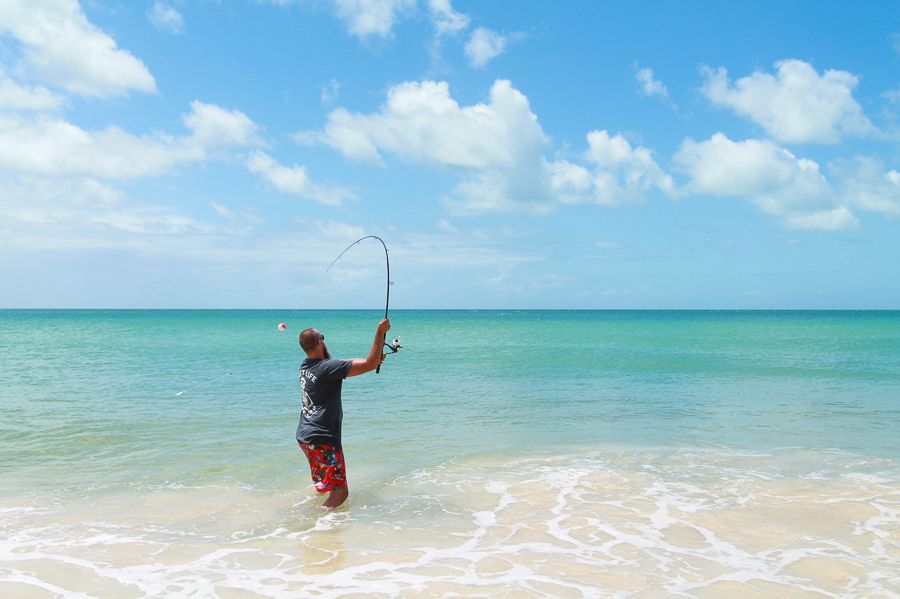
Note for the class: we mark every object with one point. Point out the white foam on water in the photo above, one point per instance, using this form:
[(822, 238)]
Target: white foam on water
[(596, 524)]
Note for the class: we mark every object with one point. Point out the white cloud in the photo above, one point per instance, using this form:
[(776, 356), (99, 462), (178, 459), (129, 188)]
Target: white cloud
[(620, 173), (62, 48), (649, 86), (831, 219), (571, 182), (80, 212), (295, 180), (521, 187), (483, 46), (14, 96), (44, 201), (147, 221), (165, 18), (446, 20), (865, 183), (496, 146), (214, 126), (797, 105), (57, 148), (767, 175), (365, 18), (54, 147), (422, 123)]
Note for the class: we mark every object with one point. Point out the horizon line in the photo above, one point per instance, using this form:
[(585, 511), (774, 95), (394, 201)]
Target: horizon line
[(318, 309)]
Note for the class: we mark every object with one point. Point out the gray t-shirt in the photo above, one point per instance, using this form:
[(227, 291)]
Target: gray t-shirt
[(321, 412)]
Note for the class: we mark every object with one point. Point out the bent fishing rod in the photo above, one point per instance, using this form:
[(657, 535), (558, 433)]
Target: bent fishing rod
[(394, 346)]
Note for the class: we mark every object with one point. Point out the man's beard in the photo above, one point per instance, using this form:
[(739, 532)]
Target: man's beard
[(325, 353)]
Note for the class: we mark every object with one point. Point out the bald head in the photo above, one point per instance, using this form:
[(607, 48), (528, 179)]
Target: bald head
[(309, 339)]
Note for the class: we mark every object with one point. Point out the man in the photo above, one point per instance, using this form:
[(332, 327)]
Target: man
[(319, 431)]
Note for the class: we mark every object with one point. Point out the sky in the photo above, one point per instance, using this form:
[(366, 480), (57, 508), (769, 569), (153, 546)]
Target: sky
[(521, 155)]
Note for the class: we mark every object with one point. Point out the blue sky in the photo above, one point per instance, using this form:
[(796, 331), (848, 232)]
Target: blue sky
[(204, 154)]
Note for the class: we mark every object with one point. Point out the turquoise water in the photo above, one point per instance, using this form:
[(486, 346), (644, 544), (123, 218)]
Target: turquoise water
[(118, 397), (108, 407)]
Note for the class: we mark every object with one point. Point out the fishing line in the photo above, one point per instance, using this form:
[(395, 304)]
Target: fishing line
[(387, 261), (283, 325)]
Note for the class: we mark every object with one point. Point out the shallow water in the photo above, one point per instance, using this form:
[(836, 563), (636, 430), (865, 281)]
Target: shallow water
[(500, 453), (620, 522)]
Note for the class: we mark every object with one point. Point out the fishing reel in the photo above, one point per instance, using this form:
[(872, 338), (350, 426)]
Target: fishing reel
[(394, 346)]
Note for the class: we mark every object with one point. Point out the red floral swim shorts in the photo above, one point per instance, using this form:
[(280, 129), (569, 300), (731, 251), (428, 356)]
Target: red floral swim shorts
[(326, 465)]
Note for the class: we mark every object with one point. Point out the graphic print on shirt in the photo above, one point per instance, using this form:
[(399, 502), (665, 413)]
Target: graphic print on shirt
[(309, 408)]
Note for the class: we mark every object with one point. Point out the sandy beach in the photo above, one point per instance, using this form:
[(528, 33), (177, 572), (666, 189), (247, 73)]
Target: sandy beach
[(613, 523)]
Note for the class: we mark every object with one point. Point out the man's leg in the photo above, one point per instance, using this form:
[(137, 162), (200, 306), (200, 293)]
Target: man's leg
[(337, 497), (337, 476)]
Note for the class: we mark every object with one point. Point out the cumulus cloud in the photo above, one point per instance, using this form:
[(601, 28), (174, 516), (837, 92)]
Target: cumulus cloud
[(295, 180), (365, 18), (759, 171), (796, 105), (423, 123), (649, 86), (497, 148), (62, 48), (14, 96), (165, 18), (614, 179), (54, 147), (619, 173), (483, 46)]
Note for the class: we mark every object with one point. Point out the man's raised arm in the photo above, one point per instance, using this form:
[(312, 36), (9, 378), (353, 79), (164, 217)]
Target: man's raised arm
[(371, 362)]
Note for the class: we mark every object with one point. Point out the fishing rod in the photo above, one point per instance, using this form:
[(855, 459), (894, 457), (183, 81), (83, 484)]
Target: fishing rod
[(394, 346)]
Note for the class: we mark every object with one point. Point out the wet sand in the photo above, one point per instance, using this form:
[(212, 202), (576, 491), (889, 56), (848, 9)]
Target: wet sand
[(632, 523)]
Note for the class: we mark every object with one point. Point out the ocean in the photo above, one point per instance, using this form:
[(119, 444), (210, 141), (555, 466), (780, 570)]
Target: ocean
[(498, 454)]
